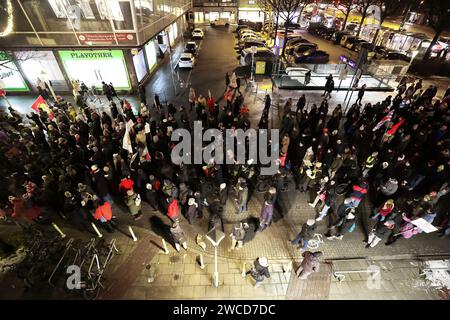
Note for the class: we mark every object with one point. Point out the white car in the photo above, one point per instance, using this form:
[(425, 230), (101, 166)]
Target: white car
[(249, 32), (186, 60), (297, 73), (198, 33)]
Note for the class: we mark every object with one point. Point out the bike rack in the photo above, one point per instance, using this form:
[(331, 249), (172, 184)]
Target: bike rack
[(68, 246), (340, 276)]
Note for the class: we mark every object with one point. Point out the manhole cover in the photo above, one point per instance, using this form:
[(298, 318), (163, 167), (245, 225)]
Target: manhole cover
[(174, 259)]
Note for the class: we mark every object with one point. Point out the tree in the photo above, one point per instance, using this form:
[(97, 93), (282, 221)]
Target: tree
[(287, 9), (8, 62), (438, 12), (345, 6), (388, 8), (363, 5)]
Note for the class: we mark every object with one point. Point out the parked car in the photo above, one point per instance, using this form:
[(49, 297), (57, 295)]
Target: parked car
[(302, 48), (257, 26), (246, 32), (291, 45), (347, 40), (197, 33), (264, 54), (220, 22), (313, 56), (248, 43), (186, 60), (191, 47), (352, 44), (337, 37), (328, 33), (395, 55), (291, 25)]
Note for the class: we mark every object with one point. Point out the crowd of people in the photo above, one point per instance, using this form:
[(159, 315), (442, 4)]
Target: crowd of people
[(79, 162)]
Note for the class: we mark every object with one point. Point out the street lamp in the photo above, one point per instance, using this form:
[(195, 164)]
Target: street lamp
[(215, 237), (44, 77)]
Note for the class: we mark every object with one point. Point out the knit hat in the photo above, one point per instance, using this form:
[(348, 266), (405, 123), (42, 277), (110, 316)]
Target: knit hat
[(94, 168), (148, 186), (223, 186), (310, 222), (106, 168), (263, 261)]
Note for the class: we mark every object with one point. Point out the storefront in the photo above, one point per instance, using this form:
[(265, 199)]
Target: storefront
[(41, 64), (252, 14), (11, 79), (94, 66)]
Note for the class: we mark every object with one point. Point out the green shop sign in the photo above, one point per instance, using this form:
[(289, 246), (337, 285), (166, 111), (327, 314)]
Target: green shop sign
[(10, 76), (94, 66)]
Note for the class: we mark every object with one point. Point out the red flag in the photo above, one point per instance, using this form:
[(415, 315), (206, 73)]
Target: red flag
[(394, 128), (41, 104)]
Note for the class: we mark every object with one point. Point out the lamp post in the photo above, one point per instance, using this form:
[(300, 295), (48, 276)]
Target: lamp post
[(44, 77), (215, 237)]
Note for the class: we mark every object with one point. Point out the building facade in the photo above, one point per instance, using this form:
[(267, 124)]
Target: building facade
[(118, 41)]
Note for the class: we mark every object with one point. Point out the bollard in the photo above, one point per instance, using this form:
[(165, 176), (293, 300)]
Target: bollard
[(243, 270), (132, 234), (202, 263), (166, 251), (96, 230), (59, 230)]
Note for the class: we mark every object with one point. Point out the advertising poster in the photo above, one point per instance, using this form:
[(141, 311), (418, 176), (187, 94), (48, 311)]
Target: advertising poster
[(139, 65), (150, 52), (94, 66), (9, 74)]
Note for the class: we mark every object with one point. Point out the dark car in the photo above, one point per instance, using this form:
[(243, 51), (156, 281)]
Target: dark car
[(300, 49), (350, 41), (328, 33), (257, 26), (250, 43), (291, 25), (191, 47), (337, 37), (313, 56), (356, 43), (394, 55)]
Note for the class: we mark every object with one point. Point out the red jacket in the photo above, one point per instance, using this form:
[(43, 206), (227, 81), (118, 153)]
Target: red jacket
[(125, 185), (103, 211), (173, 210)]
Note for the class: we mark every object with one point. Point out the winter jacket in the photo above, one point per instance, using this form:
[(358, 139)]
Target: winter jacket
[(178, 234), (243, 196), (259, 272), (130, 201), (103, 212), (266, 213), (308, 232), (100, 183), (238, 232), (309, 263), (223, 196), (173, 209), (389, 188), (359, 192)]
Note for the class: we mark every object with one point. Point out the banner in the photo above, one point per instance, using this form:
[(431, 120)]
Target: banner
[(40, 104)]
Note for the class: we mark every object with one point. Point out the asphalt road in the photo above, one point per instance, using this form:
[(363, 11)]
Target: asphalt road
[(215, 57)]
